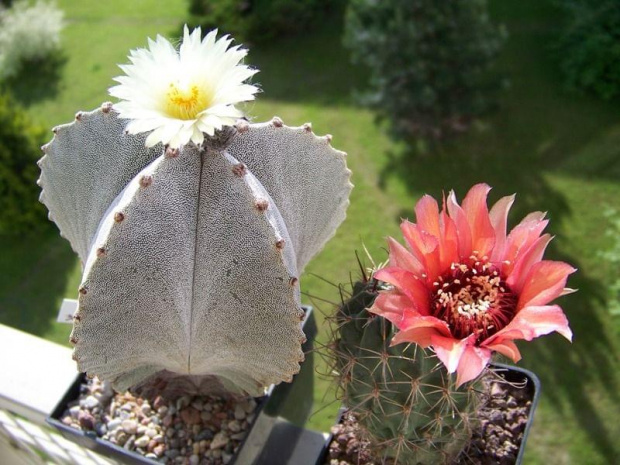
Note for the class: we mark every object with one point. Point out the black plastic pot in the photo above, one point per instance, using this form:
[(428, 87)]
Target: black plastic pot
[(276, 436), (510, 373)]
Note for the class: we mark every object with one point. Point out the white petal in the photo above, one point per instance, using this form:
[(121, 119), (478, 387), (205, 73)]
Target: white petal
[(209, 64)]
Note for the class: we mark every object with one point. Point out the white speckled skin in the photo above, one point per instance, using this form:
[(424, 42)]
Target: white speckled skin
[(87, 173), (191, 270), (306, 177)]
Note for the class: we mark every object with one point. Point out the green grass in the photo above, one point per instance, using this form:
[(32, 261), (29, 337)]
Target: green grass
[(559, 152)]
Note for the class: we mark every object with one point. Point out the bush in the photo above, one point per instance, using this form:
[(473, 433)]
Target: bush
[(20, 141), (429, 61), (256, 20), (28, 33), (590, 46)]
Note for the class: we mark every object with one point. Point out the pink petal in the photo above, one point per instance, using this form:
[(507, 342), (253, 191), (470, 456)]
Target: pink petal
[(427, 215), (400, 257), (420, 330), (475, 208), (520, 240), (505, 347), (462, 226), (448, 241), (473, 361), (545, 282), (424, 246), (499, 220), (391, 305), (525, 261), (450, 350), (532, 322), (407, 283)]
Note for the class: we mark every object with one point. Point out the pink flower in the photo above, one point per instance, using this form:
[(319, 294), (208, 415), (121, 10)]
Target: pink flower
[(466, 288)]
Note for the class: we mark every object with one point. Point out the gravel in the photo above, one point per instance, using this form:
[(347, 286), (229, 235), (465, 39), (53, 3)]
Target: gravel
[(200, 430)]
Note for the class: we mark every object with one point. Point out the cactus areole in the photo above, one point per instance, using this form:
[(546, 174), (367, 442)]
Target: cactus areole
[(191, 254)]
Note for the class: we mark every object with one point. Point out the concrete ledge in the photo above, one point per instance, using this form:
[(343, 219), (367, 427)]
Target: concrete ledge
[(35, 374)]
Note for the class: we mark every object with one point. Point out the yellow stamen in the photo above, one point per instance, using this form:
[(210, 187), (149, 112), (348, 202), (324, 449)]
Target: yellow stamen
[(186, 102)]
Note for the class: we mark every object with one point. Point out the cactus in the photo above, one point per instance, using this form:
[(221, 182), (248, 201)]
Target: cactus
[(406, 403), (191, 256)]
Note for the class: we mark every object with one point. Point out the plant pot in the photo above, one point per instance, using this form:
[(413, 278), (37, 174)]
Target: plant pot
[(275, 436), (529, 388)]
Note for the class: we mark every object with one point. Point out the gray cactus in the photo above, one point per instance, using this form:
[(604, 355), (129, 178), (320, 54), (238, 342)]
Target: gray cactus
[(192, 257)]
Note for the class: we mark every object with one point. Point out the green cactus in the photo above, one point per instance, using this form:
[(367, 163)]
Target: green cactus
[(405, 401), (192, 256)]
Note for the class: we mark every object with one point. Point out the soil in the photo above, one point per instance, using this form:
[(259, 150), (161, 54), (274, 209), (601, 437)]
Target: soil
[(503, 417), (194, 430)]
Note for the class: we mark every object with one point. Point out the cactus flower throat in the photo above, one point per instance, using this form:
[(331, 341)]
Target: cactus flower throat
[(473, 298), (466, 288), (186, 102)]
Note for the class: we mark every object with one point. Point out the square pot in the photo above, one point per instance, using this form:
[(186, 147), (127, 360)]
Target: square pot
[(513, 375), (279, 418)]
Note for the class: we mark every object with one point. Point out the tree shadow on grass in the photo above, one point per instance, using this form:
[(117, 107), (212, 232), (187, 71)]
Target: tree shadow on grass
[(566, 371), (35, 271), (37, 80), (312, 67)]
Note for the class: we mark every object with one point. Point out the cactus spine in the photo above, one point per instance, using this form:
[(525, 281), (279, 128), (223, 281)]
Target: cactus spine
[(404, 400)]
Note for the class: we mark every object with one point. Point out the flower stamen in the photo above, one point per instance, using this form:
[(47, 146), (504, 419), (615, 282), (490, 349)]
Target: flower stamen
[(473, 299), (186, 102)]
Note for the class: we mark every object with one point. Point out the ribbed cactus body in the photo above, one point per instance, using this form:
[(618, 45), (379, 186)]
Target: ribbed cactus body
[(191, 261), (404, 399)]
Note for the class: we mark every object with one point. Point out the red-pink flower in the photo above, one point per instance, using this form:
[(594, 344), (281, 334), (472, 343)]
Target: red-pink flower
[(466, 288)]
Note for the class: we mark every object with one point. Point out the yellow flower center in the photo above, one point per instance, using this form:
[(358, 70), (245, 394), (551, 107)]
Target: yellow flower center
[(185, 102)]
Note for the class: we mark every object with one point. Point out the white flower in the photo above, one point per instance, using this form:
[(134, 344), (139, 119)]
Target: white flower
[(182, 96)]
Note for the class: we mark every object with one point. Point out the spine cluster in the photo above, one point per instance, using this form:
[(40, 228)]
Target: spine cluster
[(406, 403)]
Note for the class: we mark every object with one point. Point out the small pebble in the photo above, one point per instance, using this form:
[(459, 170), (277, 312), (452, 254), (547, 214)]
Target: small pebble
[(183, 402), (113, 424), (142, 441), (219, 441), (121, 437), (159, 450), (75, 411), (90, 402), (87, 421), (130, 426), (190, 416), (204, 434), (239, 412)]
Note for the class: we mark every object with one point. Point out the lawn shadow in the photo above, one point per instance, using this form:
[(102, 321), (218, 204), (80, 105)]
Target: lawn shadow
[(310, 68), (35, 270), (566, 371), (37, 80)]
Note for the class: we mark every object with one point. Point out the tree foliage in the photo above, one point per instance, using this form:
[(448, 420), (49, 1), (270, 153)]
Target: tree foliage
[(590, 46), (256, 20), (430, 62), (20, 143)]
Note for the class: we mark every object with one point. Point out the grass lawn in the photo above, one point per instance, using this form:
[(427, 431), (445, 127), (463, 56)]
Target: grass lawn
[(559, 152)]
